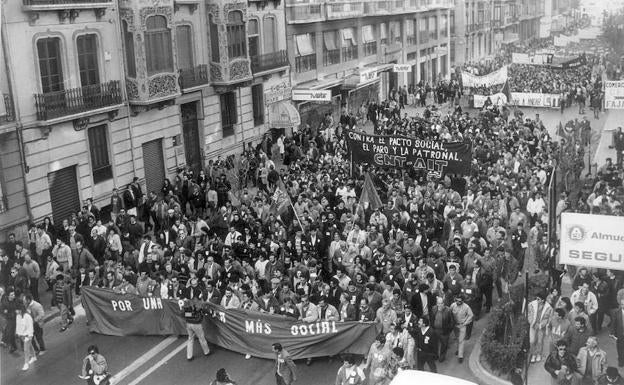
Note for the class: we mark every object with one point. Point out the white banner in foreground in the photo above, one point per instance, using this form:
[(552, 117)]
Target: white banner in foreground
[(614, 95), (592, 241), (526, 99), (497, 99), (497, 77)]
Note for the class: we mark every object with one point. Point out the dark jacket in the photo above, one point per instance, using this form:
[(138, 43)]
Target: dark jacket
[(417, 304), (447, 319), (427, 344), (554, 362)]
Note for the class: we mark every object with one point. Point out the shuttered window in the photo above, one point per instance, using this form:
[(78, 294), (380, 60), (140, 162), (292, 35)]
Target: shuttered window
[(270, 43), (185, 46), (50, 67), (100, 160), (236, 35), (158, 52), (257, 96), (129, 48), (228, 113), (88, 60)]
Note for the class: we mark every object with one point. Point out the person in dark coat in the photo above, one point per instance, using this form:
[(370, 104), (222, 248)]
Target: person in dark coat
[(558, 359), (427, 345)]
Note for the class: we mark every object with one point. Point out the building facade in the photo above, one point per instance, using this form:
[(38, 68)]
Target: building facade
[(473, 31), (349, 49), (113, 89)]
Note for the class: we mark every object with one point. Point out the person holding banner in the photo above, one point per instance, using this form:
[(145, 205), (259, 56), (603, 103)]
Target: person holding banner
[(194, 316)]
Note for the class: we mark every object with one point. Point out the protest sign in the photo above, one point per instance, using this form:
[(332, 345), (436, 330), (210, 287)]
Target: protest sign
[(614, 95), (244, 332), (496, 99), (527, 99), (434, 156), (497, 77)]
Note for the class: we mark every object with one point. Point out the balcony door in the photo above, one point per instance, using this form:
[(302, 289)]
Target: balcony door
[(253, 38), (190, 131), (88, 67), (50, 66)]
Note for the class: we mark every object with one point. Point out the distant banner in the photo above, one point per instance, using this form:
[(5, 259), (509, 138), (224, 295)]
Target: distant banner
[(496, 99), (497, 77), (243, 332), (614, 95), (526, 99), (570, 64), (535, 59), (436, 157), (563, 40)]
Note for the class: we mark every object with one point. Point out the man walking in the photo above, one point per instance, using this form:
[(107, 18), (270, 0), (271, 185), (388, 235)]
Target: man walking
[(427, 344), (443, 322), (285, 369), (463, 317), (194, 328), (35, 309)]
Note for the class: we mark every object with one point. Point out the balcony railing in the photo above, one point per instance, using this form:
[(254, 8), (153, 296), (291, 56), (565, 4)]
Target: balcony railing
[(65, 4), (269, 61), (305, 13), (193, 77), (412, 40), (331, 57), (305, 63), (57, 104), (9, 115), (344, 9)]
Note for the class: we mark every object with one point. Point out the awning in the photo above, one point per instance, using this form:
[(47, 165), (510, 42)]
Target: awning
[(304, 44), (330, 40), (367, 34), (347, 37), (283, 115)]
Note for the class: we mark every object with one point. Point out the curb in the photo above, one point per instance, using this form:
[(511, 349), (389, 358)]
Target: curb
[(477, 369), (55, 312)]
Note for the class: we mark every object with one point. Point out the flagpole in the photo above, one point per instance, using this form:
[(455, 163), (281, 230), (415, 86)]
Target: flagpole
[(351, 164)]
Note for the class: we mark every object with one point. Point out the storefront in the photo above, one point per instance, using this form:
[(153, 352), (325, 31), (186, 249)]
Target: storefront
[(283, 118)]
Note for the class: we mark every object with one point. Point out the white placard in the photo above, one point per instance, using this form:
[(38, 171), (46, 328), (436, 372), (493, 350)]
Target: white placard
[(592, 241), (614, 95), (312, 95), (402, 68)]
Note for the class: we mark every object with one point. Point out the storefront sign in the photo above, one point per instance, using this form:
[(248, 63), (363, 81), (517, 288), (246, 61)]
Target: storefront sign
[(592, 241), (526, 99), (312, 95), (237, 330), (368, 75), (614, 95), (436, 157), (277, 93), (497, 77), (402, 68)]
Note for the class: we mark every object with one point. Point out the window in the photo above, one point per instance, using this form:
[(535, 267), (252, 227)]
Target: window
[(270, 38), (214, 40), (349, 45), (383, 33), (410, 31), (100, 162), (129, 47), (423, 37), (236, 35), (305, 58), (158, 52), (88, 60), (368, 39), (395, 32), (331, 53), (49, 51), (257, 97), (184, 36), (433, 28), (228, 113), (253, 38), (3, 198), (452, 21), (444, 26)]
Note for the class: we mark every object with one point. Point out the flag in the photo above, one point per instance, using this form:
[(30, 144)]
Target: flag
[(506, 91), (280, 201), (369, 194)]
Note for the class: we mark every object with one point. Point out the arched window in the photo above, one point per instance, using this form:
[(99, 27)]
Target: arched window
[(253, 37), (236, 35), (158, 52)]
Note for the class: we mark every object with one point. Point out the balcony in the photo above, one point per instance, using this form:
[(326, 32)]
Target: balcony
[(9, 115), (60, 5), (73, 101), (194, 77), (269, 61), (344, 9), (304, 13)]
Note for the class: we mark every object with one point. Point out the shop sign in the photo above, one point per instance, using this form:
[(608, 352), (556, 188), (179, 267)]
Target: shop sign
[(402, 68), (312, 95)]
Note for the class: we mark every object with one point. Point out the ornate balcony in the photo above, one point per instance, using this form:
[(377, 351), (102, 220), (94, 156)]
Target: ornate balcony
[(269, 61), (59, 5), (74, 101), (9, 111), (193, 77)]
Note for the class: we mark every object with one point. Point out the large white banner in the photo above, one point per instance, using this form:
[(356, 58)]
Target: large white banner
[(497, 99), (497, 77), (526, 99), (592, 241), (535, 59), (614, 95), (563, 40)]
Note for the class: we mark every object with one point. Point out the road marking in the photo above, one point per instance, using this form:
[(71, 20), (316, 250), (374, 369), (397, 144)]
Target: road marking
[(143, 359), (159, 364)]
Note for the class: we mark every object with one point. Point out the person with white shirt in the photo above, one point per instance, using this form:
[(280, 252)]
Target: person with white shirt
[(232, 236), (535, 206), (25, 331)]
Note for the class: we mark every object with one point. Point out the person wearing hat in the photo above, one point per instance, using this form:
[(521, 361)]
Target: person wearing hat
[(463, 317), (611, 377)]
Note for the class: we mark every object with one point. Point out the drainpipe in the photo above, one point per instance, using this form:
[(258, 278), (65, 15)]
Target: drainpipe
[(16, 111)]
